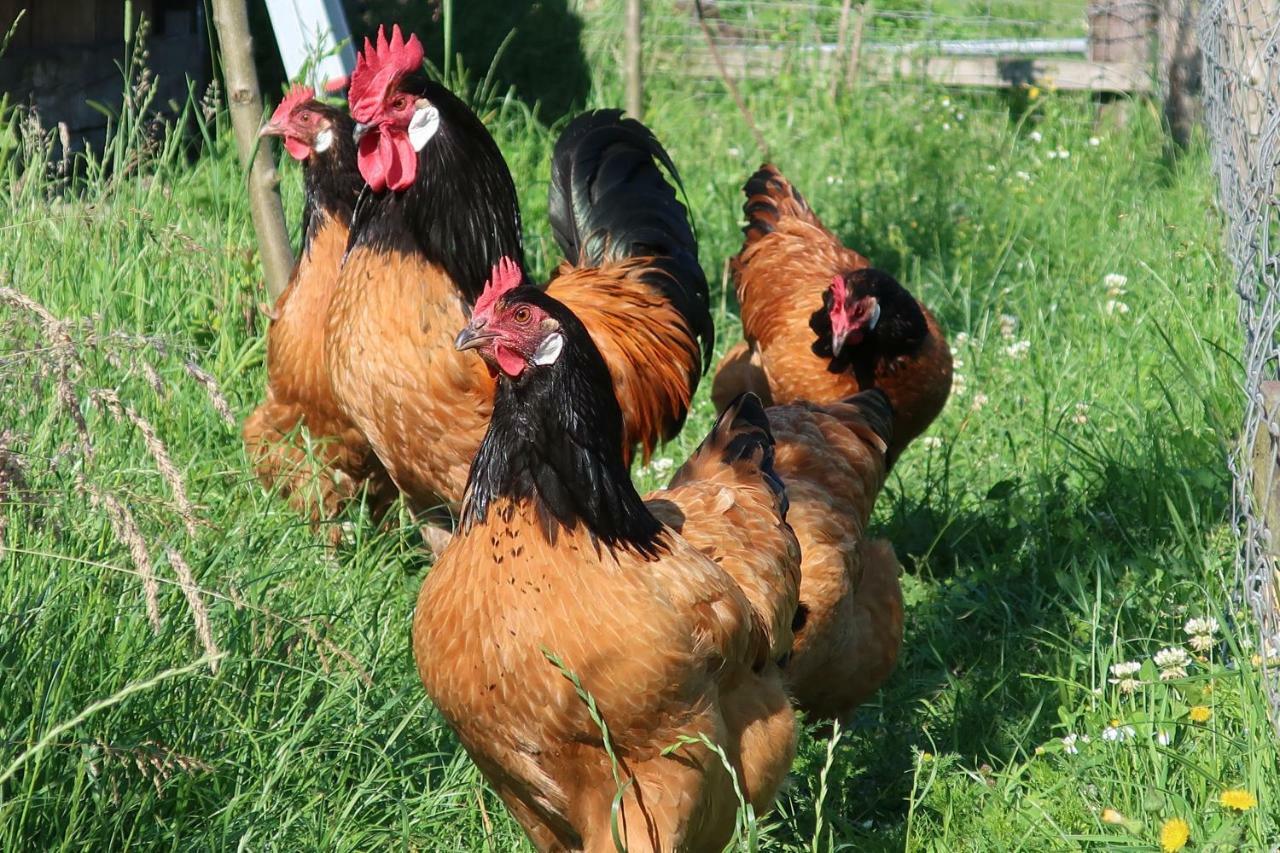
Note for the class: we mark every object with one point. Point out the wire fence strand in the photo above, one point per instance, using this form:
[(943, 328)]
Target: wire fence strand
[(1240, 43)]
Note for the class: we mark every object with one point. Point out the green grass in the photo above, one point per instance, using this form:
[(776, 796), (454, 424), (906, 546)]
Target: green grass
[(1075, 519)]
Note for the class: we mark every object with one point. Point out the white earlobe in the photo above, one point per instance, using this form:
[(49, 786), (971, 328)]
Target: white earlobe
[(423, 126), (323, 140), (549, 350), (875, 317)]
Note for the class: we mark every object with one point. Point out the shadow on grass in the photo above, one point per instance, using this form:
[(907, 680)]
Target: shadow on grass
[(1004, 587)]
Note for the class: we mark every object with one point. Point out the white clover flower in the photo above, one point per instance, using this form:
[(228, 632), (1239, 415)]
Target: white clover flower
[(946, 102), (831, 179), (662, 466), (735, 151), (979, 400), (1114, 280), (1203, 625), (1081, 417), (1018, 349), (1164, 738), (1201, 643), (1115, 306), (946, 125), (959, 384), (1069, 743), (1026, 176), (991, 167), (1034, 136), (1008, 326), (931, 442), (1123, 676), (961, 339), (1063, 154), (959, 116), (1173, 662), (1117, 733), (1052, 155), (1094, 142)]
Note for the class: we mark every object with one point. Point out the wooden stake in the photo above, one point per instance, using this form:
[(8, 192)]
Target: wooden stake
[(632, 59), (855, 50), (834, 66), (245, 101)]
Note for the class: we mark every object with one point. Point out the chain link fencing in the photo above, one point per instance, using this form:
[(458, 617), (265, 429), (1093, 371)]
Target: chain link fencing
[(1240, 42)]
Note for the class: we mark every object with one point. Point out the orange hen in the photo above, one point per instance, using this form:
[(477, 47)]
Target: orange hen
[(848, 628), (300, 420), (821, 324), (669, 611)]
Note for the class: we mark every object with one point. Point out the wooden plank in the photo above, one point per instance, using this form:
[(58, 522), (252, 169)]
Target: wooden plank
[(763, 62)]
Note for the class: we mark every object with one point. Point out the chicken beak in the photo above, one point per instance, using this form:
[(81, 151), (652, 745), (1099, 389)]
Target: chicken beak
[(472, 337), (837, 344), (271, 128), (360, 130)]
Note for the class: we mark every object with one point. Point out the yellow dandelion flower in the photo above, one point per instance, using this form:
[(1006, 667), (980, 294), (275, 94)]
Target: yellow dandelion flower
[(1200, 714), (1238, 799), (1113, 817), (1033, 93), (1174, 835)]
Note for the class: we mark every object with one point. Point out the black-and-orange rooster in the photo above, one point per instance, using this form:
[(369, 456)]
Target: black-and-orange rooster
[(440, 212)]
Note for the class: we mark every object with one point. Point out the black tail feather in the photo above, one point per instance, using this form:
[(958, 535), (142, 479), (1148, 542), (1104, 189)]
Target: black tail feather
[(876, 409), (609, 201), (753, 439)]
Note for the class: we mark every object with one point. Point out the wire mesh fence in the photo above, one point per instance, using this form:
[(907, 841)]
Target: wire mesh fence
[(1103, 46), (1240, 41)]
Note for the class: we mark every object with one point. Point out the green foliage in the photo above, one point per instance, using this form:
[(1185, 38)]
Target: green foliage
[(1066, 513)]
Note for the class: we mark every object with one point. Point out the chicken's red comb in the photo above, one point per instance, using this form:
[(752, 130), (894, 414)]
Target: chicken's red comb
[(298, 94), (838, 292), (506, 277), (377, 67)]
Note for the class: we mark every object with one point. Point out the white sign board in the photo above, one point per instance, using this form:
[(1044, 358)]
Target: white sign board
[(308, 33)]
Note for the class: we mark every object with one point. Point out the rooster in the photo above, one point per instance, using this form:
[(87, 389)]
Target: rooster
[(848, 627), (821, 324), (300, 413), (669, 613), (440, 212)]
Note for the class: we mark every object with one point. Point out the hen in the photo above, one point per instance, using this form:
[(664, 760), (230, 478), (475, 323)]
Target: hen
[(441, 212), (670, 612), (300, 420), (821, 324), (848, 628)]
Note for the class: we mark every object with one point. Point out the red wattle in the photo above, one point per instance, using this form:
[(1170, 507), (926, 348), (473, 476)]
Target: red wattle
[(297, 149), (387, 159), (511, 362)]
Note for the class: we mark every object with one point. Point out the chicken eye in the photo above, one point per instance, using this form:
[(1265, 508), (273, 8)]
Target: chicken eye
[(400, 102), (306, 115), (522, 315)]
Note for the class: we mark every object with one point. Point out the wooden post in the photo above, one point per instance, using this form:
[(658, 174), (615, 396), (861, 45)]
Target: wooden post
[(1121, 31), (833, 67), (245, 101), (865, 10), (632, 59), (1178, 67)]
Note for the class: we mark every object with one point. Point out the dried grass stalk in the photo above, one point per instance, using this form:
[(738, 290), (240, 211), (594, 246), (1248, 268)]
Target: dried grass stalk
[(199, 614), (109, 400), (220, 404), (127, 532)]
